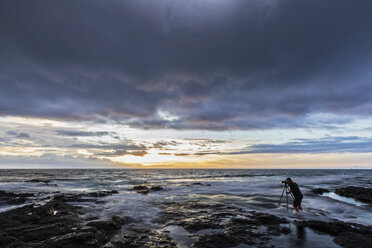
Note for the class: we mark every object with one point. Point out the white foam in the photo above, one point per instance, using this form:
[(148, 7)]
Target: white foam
[(348, 200)]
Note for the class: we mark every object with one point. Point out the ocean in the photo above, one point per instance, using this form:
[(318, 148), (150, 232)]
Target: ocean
[(248, 189)]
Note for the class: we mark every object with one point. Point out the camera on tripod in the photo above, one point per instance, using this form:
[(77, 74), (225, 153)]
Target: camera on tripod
[(285, 190)]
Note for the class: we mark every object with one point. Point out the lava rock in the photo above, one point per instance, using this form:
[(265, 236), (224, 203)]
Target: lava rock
[(266, 219), (54, 224), (352, 240), (194, 216), (100, 193), (142, 236), (156, 188), (111, 225), (359, 193), (319, 191), (216, 240), (145, 189), (38, 180), (11, 194), (201, 184), (347, 235), (14, 198)]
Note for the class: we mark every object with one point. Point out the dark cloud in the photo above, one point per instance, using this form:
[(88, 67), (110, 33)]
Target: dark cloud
[(24, 135), (129, 145), (122, 152), (213, 64), (350, 144), (20, 135), (126, 147), (82, 133), (163, 144), (11, 132)]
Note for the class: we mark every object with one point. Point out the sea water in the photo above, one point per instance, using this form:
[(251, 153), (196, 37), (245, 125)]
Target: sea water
[(249, 189)]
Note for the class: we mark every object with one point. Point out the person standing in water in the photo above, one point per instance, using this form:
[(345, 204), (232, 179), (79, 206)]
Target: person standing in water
[(295, 190)]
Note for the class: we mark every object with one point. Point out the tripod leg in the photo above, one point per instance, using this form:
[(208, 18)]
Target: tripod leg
[(286, 195), (281, 197)]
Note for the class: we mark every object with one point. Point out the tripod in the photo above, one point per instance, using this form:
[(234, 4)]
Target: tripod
[(285, 189)]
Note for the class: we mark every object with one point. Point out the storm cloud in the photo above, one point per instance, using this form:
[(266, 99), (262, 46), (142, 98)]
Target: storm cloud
[(196, 64)]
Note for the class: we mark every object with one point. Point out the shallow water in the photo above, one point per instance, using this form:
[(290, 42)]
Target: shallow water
[(248, 189)]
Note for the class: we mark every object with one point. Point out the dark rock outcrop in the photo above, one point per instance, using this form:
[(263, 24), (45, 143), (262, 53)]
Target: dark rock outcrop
[(216, 240), (14, 198), (347, 235), (110, 225), (142, 236), (319, 191), (359, 193), (55, 224), (251, 228), (201, 184), (145, 189), (38, 180)]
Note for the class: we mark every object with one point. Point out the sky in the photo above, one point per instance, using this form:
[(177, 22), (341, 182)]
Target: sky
[(185, 84)]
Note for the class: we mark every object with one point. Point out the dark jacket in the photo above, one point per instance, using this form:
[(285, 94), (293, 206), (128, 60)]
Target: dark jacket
[(295, 190)]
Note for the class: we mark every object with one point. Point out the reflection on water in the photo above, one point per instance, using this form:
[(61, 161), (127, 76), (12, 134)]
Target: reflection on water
[(303, 237), (181, 236)]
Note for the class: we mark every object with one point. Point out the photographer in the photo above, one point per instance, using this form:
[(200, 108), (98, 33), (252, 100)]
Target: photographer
[(295, 190)]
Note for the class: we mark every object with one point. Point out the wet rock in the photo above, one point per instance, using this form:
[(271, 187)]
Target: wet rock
[(142, 236), (201, 184), (14, 198), (100, 193), (217, 240), (145, 189), (111, 225), (346, 234), (54, 224), (94, 234), (33, 222), (285, 230), (16, 201), (78, 239), (352, 240), (319, 191), (38, 180), (11, 194), (251, 228), (12, 242), (359, 193), (156, 188), (132, 237), (266, 219), (160, 239), (197, 225), (194, 215)]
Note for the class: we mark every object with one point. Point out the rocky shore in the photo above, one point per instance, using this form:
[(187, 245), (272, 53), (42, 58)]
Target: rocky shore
[(233, 225), (11, 198), (348, 235), (56, 224), (57, 221), (359, 193)]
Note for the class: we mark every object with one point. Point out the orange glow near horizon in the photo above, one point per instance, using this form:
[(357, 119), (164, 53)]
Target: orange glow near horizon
[(42, 141)]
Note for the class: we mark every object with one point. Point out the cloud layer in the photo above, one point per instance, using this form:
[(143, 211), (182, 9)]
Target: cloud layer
[(186, 64)]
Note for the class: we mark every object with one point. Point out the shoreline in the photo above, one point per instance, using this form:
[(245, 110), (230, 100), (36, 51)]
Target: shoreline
[(58, 222)]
